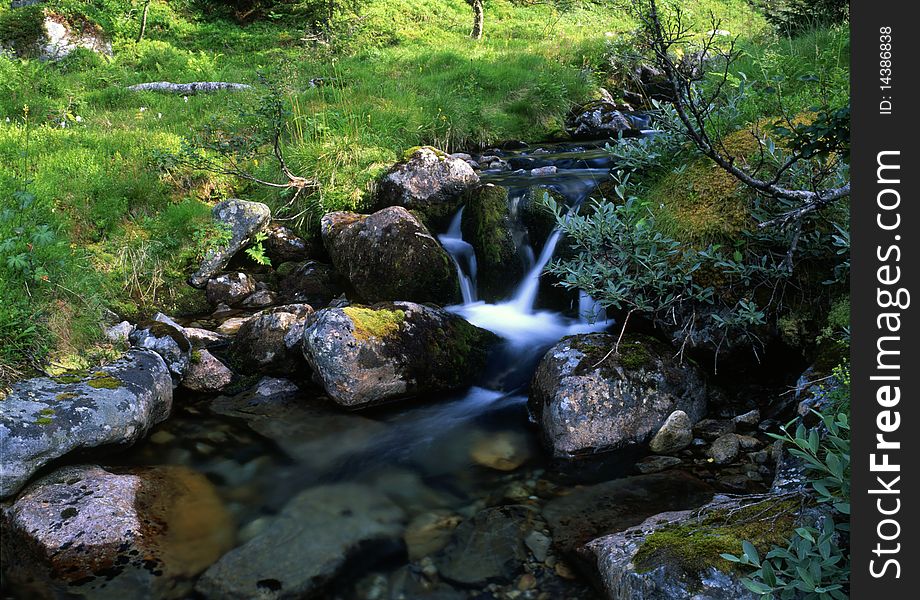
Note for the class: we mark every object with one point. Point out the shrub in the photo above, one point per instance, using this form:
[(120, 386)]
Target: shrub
[(791, 16)]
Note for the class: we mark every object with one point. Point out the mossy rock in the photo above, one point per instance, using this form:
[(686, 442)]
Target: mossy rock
[(488, 227), (693, 547), (370, 323)]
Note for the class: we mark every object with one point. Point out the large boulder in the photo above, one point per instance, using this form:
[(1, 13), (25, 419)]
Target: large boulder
[(319, 534), (30, 31), (369, 355), (309, 282), (229, 288), (585, 403), (166, 338), (390, 255), (243, 220), (86, 532), (428, 182), (677, 554), (283, 245), (46, 418), (265, 342)]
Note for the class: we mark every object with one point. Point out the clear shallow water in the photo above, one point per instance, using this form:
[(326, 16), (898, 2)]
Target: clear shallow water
[(451, 455)]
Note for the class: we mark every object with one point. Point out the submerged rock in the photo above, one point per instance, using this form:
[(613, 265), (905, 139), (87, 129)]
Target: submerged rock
[(390, 255), (86, 532), (585, 403), (677, 554), (318, 534), (429, 182), (592, 511), (488, 548), (368, 355), (500, 450), (260, 346), (243, 220), (46, 418), (167, 339)]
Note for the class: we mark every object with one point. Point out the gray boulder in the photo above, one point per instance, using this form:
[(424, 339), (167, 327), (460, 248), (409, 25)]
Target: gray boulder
[(309, 282), (598, 120), (429, 182), (283, 245), (85, 532), (46, 418), (206, 373), (370, 355), (260, 345), (320, 533), (167, 340), (244, 220), (585, 405), (675, 434), (725, 449), (390, 255), (229, 288)]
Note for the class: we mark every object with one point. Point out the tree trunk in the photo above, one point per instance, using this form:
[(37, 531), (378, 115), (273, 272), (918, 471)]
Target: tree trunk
[(476, 34), (140, 35)]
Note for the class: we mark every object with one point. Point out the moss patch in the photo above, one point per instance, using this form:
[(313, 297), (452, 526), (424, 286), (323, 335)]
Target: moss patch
[(66, 396), (376, 323), (408, 154), (694, 547)]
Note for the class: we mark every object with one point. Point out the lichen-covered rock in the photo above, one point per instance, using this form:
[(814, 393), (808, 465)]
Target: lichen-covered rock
[(46, 418), (677, 554), (725, 449), (243, 220), (390, 255), (283, 245), (86, 532), (675, 434), (229, 288), (369, 355), (319, 534), (168, 341), (206, 373), (598, 120), (259, 345), (205, 338), (310, 282), (429, 182), (490, 228), (584, 404)]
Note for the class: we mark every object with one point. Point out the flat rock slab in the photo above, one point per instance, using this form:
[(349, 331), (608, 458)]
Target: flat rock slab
[(592, 511), (46, 418), (320, 533)]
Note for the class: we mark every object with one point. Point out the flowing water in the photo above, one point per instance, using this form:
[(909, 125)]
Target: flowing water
[(428, 455)]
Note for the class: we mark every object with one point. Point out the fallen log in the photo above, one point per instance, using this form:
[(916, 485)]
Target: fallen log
[(188, 89)]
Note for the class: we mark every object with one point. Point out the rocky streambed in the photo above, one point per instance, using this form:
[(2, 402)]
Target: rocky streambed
[(411, 410)]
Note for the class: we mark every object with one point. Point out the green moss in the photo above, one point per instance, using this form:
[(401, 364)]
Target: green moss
[(696, 546), (46, 412), (487, 226), (22, 29), (377, 323), (43, 421), (636, 351), (103, 380), (196, 357), (66, 396), (75, 376), (407, 155)]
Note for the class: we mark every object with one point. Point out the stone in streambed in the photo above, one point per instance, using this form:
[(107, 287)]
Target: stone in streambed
[(585, 403), (390, 255), (429, 532), (260, 346), (725, 449), (87, 532), (675, 434), (46, 418), (229, 288), (369, 355), (166, 339), (243, 220), (320, 533), (500, 450), (427, 181), (206, 373)]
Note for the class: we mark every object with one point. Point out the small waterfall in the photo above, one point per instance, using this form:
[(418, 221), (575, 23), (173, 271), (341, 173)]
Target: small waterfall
[(463, 255), (526, 295), (589, 309)]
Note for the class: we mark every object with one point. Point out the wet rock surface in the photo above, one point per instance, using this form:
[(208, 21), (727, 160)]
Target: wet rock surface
[(46, 418), (317, 535), (88, 532), (310, 282), (585, 403), (369, 355), (390, 255)]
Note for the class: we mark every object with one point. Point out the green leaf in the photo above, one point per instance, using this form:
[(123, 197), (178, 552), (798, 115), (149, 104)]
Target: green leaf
[(751, 552)]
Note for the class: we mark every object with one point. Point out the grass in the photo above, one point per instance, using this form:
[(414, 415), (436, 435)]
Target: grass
[(127, 230)]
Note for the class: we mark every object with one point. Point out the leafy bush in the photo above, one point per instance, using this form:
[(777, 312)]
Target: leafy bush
[(791, 16)]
